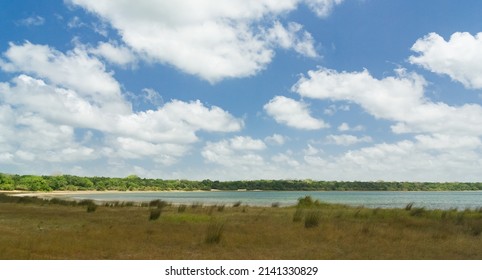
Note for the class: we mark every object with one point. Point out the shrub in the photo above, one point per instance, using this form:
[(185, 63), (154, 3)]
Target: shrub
[(91, 208), (197, 205), (158, 203), (298, 215), (220, 208), (154, 214), (214, 232), (181, 208), (237, 204), (409, 206), (312, 219), (275, 204), (459, 219), (417, 212), (475, 228)]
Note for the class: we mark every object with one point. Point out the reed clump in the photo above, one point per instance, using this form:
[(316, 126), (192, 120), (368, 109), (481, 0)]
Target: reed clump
[(154, 214), (312, 218), (214, 232)]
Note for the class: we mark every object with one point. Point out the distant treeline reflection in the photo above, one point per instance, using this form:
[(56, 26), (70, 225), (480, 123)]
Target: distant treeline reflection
[(135, 183)]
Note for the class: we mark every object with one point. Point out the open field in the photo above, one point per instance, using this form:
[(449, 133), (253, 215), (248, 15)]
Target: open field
[(35, 229)]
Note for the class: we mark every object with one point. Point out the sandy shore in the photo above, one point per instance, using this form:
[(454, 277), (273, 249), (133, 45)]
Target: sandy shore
[(62, 193)]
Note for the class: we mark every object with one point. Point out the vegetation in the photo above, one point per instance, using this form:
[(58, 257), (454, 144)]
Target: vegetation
[(34, 228), (214, 232), (135, 183)]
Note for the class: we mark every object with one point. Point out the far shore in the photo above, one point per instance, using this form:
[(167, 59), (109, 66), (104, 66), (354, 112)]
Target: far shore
[(60, 193)]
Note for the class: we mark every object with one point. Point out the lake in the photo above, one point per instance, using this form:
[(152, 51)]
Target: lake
[(371, 199)]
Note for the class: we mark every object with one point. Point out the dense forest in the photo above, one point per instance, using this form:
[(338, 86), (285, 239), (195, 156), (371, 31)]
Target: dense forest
[(135, 183)]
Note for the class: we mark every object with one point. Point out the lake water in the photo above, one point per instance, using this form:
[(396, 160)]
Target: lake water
[(372, 199)]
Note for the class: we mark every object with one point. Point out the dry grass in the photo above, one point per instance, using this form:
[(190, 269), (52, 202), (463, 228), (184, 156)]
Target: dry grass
[(32, 231)]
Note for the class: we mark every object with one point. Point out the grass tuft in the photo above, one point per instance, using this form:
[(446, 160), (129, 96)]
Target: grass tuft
[(91, 207), (181, 208), (409, 206), (237, 204), (298, 215), (312, 219), (417, 211), (214, 232), (154, 214)]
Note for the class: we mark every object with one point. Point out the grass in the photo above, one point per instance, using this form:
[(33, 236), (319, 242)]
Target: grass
[(38, 229), (214, 232)]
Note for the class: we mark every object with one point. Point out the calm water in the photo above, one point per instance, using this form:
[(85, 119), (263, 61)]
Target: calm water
[(384, 199)]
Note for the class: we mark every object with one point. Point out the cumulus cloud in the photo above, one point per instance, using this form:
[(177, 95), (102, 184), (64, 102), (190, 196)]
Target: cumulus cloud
[(207, 38), (292, 113), (323, 8), (292, 37), (275, 139), (114, 53), (285, 159), (445, 143), (236, 152), (75, 70), (43, 108), (347, 140), (346, 127), (397, 98), (460, 57), (32, 21), (152, 96)]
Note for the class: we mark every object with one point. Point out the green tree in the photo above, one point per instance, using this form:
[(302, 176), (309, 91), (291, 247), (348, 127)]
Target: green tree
[(34, 183), (6, 182)]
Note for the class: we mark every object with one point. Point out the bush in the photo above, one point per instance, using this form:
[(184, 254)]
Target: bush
[(158, 203), (312, 219), (298, 215), (181, 208), (214, 232), (417, 212), (237, 204), (91, 208), (154, 214), (308, 202), (409, 206)]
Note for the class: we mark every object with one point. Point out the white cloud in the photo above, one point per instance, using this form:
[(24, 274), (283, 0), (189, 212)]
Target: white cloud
[(40, 115), (235, 152), (292, 113), (322, 8), (332, 109), (208, 38), (439, 141), (152, 96), (347, 140), (246, 143), (346, 127), (460, 57), (446, 146), (114, 53), (275, 139), (290, 38), (32, 21), (285, 159), (399, 98), (75, 70)]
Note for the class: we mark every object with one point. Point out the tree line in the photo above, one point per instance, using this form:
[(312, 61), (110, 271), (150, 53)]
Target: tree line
[(135, 183)]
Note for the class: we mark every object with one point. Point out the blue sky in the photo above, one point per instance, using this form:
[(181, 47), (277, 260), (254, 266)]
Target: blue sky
[(242, 89)]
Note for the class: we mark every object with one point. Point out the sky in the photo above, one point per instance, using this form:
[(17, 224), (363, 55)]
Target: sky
[(352, 90)]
